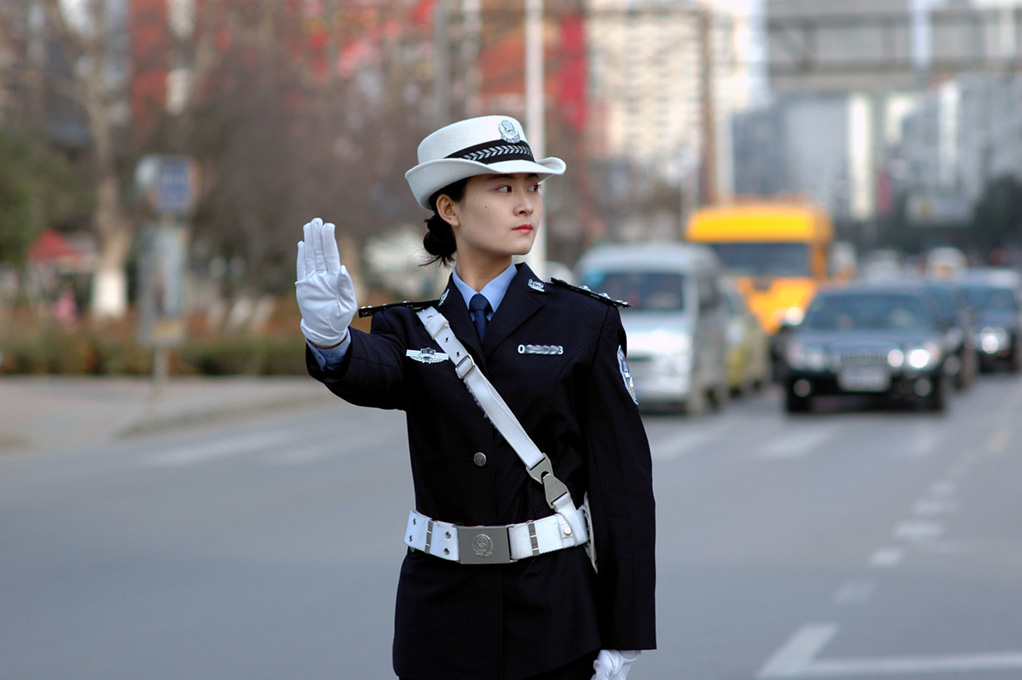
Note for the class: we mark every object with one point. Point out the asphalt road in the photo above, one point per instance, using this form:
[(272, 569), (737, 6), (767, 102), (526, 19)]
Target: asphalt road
[(845, 544)]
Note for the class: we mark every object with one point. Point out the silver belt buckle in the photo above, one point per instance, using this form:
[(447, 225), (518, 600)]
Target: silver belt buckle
[(484, 545)]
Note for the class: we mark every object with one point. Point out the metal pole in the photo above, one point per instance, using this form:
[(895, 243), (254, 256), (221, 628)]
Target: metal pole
[(441, 66), (534, 108)]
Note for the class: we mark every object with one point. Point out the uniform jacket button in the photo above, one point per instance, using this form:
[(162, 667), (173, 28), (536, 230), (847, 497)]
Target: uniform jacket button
[(479, 459)]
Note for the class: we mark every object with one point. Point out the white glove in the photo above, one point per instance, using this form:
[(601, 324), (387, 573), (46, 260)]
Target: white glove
[(612, 664), (326, 295)]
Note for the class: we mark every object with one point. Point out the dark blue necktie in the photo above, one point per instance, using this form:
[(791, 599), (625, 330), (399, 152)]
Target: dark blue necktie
[(478, 306)]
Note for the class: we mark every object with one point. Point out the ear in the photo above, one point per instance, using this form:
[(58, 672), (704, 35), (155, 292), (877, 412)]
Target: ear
[(445, 209)]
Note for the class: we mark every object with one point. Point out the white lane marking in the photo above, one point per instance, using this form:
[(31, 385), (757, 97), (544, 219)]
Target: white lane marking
[(887, 557), (797, 659), (930, 508), (680, 444), (944, 489), (924, 442), (854, 592), (308, 454), (796, 656), (916, 531), (238, 446), (798, 444)]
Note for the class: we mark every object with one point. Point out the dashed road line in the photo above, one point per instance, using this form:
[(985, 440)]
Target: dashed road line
[(930, 508), (798, 444), (887, 557), (854, 592), (205, 452), (798, 659), (917, 531)]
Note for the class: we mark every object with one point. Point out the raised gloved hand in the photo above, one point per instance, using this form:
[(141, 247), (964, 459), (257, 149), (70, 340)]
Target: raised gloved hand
[(326, 295), (612, 664)]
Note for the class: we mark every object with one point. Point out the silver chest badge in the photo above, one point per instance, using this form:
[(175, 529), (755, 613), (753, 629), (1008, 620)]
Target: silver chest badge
[(508, 132), (541, 349), (426, 355)]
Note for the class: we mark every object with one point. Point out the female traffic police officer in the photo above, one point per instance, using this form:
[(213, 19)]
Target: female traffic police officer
[(498, 582)]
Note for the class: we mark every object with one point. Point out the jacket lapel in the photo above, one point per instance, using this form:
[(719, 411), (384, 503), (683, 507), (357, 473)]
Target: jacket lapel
[(521, 301), (454, 309)]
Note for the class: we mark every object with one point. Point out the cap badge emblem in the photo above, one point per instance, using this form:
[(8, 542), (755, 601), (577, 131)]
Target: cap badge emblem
[(508, 132)]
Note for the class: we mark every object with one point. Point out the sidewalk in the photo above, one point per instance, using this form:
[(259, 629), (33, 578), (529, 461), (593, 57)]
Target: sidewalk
[(42, 412)]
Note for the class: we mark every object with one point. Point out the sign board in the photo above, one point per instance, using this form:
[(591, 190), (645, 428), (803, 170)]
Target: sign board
[(170, 183)]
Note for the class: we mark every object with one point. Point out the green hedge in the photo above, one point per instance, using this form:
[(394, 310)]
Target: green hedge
[(56, 351)]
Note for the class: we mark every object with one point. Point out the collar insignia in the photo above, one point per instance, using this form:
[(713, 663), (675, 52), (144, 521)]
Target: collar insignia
[(444, 296), (426, 355), (537, 286)]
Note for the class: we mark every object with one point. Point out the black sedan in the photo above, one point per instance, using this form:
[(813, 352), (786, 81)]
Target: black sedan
[(997, 321), (868, 340)]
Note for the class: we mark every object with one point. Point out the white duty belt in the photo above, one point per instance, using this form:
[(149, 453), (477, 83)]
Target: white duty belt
[(500, 544), (570, 527)]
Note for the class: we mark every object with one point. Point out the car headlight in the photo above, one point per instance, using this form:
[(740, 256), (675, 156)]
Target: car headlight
[(923, 356), (812, 357), (992, 340), (791, 316), (896, 358)]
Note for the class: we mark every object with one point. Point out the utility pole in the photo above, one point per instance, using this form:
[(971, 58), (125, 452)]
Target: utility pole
[(534, 112), (707, 96), (441, 67)]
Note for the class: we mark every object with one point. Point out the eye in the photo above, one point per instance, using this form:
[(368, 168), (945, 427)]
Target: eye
[(535, 188)]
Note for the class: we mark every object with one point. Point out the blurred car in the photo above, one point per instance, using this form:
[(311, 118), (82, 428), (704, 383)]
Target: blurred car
[(955, 318), (996, 304), (946, 263), (676, 324), (748, 345), (867, 339)]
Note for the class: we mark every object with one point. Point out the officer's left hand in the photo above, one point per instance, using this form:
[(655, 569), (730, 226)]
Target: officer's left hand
[(612, 664)]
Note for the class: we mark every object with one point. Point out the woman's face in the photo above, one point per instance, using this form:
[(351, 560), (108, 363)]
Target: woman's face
[(498, 216)]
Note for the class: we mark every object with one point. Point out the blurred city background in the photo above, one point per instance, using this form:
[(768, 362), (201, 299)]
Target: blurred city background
[(814, 208), (158, 157)]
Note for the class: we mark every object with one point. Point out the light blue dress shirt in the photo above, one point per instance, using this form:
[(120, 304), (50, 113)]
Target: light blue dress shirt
[(494, 292)]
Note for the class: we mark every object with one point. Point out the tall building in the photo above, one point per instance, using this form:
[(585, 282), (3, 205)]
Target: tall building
[(661, 78)]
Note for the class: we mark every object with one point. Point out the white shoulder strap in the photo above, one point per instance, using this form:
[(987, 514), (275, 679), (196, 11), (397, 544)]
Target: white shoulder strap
[(538, 463)]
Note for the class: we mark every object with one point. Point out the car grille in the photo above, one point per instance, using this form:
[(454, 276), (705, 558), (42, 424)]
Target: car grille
[(870, 358)]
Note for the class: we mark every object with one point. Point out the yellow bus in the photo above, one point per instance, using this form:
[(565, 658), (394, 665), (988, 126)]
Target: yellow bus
[(777, 252)]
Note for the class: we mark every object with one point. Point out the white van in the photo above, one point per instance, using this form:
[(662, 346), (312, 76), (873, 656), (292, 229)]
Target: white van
[(676, 324)]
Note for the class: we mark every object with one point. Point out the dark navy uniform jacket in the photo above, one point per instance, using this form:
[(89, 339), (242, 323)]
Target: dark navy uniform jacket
[(457, 621)]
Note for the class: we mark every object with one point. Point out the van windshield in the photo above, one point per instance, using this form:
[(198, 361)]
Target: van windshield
[(645, 290), (764, 259)]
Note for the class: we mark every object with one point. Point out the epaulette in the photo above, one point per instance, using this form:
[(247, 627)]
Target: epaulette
[(422, 304), (585, 290)]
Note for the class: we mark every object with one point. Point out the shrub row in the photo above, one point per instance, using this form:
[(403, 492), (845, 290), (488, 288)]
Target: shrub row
[(56, 351)]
